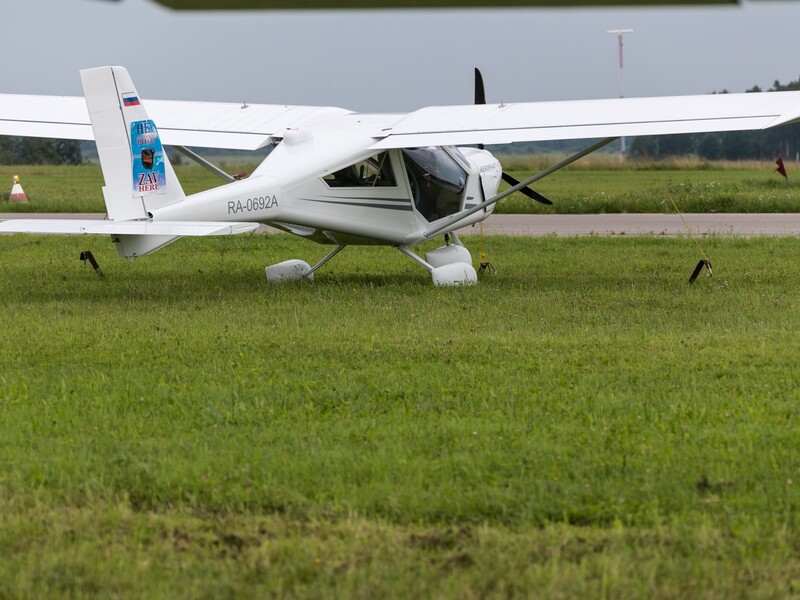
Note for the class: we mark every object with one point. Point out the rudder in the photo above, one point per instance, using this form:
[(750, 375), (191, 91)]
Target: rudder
[(138, 175)]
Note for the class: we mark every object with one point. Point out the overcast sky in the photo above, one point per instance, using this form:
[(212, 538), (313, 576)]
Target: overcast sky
[(380, 61)]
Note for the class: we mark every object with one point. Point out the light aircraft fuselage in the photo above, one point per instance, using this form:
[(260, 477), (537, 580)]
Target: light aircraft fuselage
[(377, 199)]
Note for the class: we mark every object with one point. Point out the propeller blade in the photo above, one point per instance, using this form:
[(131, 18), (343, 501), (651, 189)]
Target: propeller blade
[(532, 194), (480, 94), (480, 91), (480, 98)]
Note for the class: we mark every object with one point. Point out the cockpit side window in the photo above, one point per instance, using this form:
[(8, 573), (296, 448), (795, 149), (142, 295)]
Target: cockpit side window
[(437, 181), (375, 171)]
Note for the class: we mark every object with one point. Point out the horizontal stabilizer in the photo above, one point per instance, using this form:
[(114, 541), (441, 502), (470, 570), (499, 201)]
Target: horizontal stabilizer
[(95, 227)]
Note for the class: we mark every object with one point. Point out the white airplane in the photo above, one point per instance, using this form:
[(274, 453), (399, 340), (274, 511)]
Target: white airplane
[(334, 176)]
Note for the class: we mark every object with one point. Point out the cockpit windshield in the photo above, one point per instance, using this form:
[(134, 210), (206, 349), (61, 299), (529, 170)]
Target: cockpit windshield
[(437, 181)]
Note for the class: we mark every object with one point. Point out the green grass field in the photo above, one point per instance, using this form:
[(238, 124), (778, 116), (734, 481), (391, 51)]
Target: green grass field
[(596, 185), (583, 423), (601, 184), (77, 189)]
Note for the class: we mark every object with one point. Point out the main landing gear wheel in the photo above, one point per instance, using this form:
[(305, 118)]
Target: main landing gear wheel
[(289, 270)]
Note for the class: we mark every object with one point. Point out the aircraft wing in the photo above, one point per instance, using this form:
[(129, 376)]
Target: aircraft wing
[(583, 119), (199, 124), (248, 127)]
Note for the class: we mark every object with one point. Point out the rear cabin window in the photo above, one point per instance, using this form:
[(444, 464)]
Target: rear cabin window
[(375, 171)]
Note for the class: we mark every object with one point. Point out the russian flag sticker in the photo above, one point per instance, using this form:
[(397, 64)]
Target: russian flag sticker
[(130, 99)]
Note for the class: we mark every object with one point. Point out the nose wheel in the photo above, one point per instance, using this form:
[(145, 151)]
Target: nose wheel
[(448, 265)]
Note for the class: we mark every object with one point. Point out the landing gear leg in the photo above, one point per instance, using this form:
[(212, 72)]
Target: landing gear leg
[(451, 239), (294, 270), (329, 256)]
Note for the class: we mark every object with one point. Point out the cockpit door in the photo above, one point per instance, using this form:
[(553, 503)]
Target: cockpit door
[(436, 182)]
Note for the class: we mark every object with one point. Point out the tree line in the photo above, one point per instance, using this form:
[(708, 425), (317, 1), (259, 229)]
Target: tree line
[(737, 145), (39, 151), (730, 145)]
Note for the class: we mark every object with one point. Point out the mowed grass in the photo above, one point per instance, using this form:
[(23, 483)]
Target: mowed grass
[(78, 189), (596, 185), (583, 423)]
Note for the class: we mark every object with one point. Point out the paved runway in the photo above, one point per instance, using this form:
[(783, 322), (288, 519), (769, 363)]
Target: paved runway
[(735, 224)]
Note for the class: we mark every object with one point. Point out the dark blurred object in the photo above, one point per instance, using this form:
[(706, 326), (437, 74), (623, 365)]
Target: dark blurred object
[(336, 4)]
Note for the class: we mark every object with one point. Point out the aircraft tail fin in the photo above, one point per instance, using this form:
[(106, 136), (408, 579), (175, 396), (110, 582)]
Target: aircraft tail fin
[(138, 175)]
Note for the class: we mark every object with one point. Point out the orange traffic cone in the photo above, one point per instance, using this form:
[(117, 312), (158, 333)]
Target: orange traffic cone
[(17, 193)]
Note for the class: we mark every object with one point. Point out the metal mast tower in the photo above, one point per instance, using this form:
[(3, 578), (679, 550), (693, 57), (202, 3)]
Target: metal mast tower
[(619, 33)]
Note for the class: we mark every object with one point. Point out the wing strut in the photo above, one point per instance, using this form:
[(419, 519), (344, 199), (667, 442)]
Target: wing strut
[(204, 163), (433, 231)]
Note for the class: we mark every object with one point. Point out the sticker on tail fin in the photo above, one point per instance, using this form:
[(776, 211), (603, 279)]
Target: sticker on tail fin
[(149, 170)]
